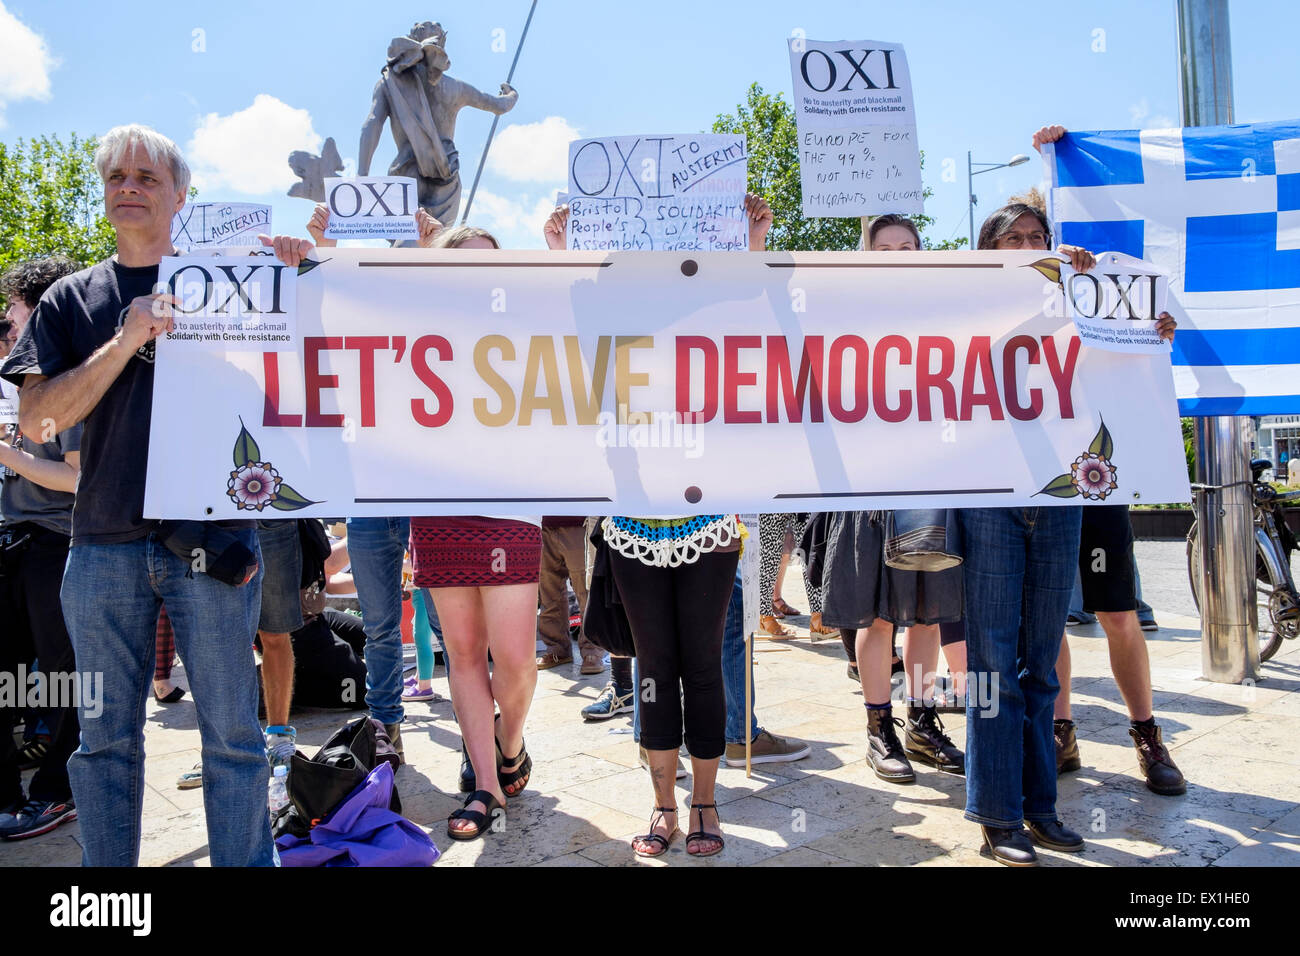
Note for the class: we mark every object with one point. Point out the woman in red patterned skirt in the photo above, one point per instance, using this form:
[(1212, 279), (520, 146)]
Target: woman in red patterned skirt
[(481, 572)]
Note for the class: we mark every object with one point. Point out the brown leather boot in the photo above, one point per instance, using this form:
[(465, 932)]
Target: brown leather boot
[(1163, 776), (394, 732), (884, 752), (1067, 747), (926, 741)]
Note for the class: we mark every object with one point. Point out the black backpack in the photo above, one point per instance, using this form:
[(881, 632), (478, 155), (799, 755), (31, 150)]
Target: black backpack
[(318, 784)]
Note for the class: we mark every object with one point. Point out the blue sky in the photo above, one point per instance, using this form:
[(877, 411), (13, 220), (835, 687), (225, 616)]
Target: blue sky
[(238, 85)]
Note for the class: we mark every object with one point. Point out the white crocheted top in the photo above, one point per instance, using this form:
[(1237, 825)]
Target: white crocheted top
[(669, 542)]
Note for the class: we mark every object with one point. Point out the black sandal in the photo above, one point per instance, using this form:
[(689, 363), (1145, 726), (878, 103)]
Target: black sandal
[(522, 772), (700, 834), (655, 838), (483, 821)]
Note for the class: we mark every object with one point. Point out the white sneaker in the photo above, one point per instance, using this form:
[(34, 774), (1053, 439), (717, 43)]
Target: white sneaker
[(280, 748)]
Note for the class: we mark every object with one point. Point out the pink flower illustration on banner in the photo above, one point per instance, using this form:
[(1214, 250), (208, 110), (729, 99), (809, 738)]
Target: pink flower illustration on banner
[(1094, 476), (1091, 475), (255, 484)]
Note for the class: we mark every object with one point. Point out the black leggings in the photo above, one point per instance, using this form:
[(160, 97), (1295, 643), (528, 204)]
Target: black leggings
[(677, 617)]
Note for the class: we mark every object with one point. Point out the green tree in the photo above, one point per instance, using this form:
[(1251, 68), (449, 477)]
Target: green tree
[(52, 201), (768, 123)]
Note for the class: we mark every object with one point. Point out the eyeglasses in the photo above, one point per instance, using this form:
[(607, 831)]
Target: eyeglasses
[(1018, 240)]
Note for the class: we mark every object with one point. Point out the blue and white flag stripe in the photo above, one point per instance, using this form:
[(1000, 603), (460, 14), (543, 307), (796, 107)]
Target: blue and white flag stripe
[(1218, 208)]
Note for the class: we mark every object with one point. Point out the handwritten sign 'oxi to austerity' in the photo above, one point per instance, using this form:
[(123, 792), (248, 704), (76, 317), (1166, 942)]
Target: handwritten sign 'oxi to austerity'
[(209, 225), (680, 193)]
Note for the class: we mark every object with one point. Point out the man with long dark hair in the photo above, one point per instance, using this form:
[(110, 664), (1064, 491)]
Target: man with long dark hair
[(40, 478)]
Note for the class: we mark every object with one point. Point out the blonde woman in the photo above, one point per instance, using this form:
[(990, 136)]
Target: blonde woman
[(485, 604)]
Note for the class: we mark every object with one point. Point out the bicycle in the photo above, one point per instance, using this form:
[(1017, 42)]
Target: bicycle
[(1277, 602)]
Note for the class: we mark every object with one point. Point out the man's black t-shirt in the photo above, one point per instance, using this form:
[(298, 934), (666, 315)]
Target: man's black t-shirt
[(77, 315)]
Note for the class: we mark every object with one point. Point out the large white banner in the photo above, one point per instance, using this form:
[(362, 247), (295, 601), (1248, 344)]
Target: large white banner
[(462, 382)]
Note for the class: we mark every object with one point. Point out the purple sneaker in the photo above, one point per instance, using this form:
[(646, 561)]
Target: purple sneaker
[(413, 693)]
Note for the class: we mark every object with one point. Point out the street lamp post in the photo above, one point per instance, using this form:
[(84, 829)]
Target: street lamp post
[(972, 172)]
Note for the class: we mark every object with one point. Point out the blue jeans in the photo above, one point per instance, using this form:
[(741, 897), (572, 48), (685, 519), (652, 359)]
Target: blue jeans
[(1019, 567), (733, 669), (1145, 613), (110, 596), (733, 674), (1076, 601), (376, 547)]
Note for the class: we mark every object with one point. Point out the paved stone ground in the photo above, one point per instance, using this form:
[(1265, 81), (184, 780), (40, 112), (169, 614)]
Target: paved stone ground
[(587, 797)]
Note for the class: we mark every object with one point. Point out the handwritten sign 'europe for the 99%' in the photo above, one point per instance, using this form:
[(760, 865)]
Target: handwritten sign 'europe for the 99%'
[(681, 193), (858, 151)]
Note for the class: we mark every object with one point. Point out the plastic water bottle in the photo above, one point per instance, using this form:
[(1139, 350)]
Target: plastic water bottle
[(278, 791)]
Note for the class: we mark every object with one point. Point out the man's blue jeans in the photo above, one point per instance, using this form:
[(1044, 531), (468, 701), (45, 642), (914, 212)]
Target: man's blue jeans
[(733, 674), (110, 596), (1019, 569), (376, 547), (733, 668), (1076, 601)]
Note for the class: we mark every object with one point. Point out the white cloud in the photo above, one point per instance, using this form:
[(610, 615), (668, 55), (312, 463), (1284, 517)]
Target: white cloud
[(533, 152), (1139, 115), (25, 62), (248, 151), (516, 223)]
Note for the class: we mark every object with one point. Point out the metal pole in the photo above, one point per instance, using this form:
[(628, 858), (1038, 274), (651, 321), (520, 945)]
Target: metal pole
[(495, 119), (970, 199), (1225, 519), (749, 701)]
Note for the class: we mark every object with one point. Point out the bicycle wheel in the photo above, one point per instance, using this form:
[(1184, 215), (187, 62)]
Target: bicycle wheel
[(1270, 638)]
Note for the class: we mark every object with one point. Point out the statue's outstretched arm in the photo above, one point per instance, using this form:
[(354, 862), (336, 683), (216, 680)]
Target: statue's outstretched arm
[(372, 129), (476, 98)]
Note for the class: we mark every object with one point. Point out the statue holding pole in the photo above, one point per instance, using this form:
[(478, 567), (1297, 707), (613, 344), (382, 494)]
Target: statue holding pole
[(420, 102)]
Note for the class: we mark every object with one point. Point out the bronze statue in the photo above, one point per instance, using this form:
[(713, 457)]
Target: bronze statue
[(421, 101)]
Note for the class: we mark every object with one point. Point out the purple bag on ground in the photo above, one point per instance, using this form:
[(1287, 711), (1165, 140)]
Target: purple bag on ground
[(362, 831)]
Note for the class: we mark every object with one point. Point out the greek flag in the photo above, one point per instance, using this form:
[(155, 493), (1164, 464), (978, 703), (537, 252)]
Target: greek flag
[(1218, 208)]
